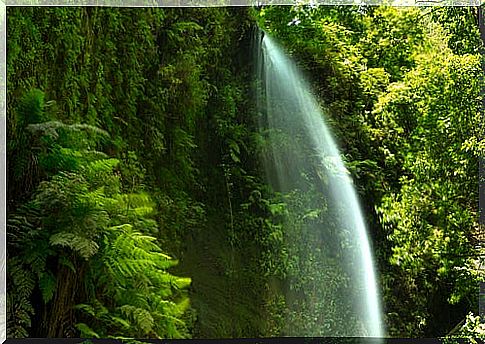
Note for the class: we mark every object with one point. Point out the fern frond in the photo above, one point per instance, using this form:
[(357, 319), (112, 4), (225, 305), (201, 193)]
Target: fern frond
[(86, 331), (182, 282), (141, 317), (86, 308), (100, 166), (48, 129), (21, 279), (47, 285), (19, 307), (85, 247), (139, 204), (63, 260), (89, 128), (51, 129), (117, 321), (31, 107)]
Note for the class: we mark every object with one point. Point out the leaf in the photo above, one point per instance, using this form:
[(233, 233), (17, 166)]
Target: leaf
[(86, 308), (86, 331), (117, 320), (67, 262), (277, 208), (47, 285), (182, 282), (312, 214), (84, 246), (142, 317)]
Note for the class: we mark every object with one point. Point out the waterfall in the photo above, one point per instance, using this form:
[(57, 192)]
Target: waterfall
[(332, 290)]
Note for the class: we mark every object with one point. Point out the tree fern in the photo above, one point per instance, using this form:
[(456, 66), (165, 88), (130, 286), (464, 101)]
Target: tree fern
[(78, 225)]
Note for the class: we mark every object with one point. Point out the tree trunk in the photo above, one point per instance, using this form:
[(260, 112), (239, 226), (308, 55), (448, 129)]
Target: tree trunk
[(59, 316)]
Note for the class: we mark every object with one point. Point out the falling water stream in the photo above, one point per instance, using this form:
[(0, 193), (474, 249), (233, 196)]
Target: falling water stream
[(334, 293)]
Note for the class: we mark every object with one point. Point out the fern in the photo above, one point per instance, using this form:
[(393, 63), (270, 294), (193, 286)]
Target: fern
[(64, 211), (19, 307), (140, 317), (47, 285), (31, 108), (136, 205), (108, 235), (86, 331), (120, 322), (21, 278), (90, 310), (84, 247), (19, 312), (67, 133), (133, 268), (64, 261)]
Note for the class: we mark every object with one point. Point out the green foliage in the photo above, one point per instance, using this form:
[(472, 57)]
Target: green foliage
[(402, 89), (155, 110), (471, 331), (69, 222), (473, 327), (132, 271), (461, 24), (174, 166), (433, 208), (23, 171), (19, 306), (31, 108)]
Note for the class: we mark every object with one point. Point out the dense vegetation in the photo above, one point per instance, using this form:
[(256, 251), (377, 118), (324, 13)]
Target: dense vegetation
[(137, 206), (402, 88)]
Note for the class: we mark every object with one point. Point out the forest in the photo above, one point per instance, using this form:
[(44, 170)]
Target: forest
[(138, 205)]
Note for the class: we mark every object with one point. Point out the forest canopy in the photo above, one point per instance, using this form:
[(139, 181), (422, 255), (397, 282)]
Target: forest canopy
[(137, 203)]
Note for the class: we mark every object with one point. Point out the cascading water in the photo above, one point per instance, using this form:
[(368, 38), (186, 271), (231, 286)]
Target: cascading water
[(329, 287)]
